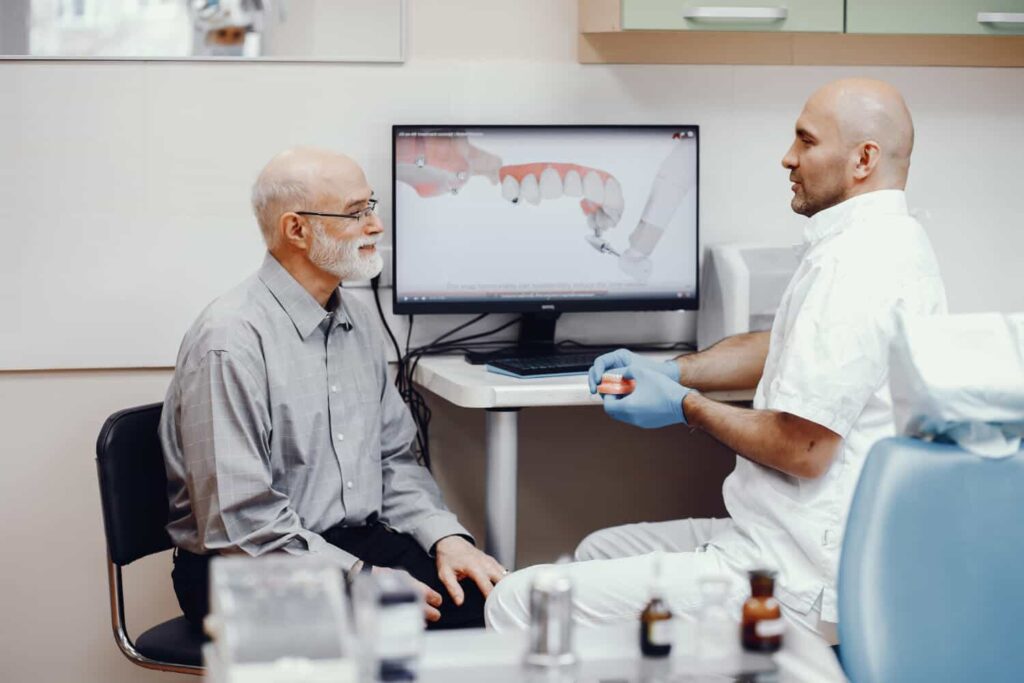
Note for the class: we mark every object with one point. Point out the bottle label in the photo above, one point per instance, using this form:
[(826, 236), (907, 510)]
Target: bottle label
[(661, 632), (769, 628)]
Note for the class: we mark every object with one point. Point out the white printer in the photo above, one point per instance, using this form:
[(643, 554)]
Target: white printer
[(741, 287)]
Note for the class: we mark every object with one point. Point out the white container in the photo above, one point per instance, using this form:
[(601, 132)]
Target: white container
[(278, 619), (388, 610), (741, 287)]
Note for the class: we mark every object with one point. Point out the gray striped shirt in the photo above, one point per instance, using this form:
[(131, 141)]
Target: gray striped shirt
[(280, 422)]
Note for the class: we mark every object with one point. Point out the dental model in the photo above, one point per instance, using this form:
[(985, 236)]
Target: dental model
[(600, 193), (615, 385), (676, 177)]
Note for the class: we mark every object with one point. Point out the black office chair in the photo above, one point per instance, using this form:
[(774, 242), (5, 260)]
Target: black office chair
[(133, 490)]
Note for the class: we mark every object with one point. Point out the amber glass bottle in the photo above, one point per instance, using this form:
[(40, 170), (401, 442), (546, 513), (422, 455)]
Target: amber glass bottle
[(656, 629), (762, 617), (656, 619)]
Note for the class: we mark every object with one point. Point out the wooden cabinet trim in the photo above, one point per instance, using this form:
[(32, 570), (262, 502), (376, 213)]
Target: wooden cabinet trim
[(602, 41)]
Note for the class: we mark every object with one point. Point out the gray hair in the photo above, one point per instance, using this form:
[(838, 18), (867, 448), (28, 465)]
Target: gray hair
[(273, 196)]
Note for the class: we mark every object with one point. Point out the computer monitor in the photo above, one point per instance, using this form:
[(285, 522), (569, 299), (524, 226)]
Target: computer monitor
[(544, 219)]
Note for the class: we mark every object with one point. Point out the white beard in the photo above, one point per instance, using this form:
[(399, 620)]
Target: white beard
[(341, 257)]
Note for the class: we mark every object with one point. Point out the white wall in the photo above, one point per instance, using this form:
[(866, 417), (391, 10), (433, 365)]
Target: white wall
[(75, 137), (139, 173)]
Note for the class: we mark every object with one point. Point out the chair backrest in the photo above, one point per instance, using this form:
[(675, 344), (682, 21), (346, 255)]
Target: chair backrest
[(133, 484), (931, 578)]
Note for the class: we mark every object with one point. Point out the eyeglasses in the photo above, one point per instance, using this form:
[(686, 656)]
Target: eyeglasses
[(362, 215)]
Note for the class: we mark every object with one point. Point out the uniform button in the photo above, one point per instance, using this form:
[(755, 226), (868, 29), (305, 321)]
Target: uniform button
[(334, 387), (349, 484), (341, 437)]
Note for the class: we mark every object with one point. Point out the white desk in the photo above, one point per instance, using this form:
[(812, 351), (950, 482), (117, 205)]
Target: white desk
[(612, 653), (471, 386)]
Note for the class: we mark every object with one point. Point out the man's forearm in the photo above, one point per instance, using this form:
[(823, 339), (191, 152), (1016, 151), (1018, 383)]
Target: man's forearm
[(735, 363), (784, 442)]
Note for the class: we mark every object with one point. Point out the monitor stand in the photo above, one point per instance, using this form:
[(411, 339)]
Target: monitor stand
[(536, 338)]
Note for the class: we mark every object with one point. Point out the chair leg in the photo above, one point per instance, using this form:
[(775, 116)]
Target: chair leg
[(124, 643)]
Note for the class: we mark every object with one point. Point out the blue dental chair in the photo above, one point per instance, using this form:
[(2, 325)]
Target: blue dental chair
[(931, 577)]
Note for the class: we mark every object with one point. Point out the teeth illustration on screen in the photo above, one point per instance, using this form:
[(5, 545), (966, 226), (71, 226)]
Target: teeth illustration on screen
[(613, 201), (593, 188), (510, 189), (569, 188), (529, 190), (550, 184), (601, 197), (604, 220), (572, 184)]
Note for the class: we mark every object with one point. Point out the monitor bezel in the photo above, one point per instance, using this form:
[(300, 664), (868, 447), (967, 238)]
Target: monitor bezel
[(538, 306)]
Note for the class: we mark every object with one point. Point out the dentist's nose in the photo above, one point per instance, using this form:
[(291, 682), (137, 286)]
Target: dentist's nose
[(789, 159)]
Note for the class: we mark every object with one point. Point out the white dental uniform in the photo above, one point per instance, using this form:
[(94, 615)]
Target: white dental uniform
[(828, 362)]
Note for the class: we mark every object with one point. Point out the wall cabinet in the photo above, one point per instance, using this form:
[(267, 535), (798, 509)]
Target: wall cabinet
[(733, 15), (810, 32), (949, 17)]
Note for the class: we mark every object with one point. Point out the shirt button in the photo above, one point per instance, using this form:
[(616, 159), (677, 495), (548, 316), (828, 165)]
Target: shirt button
[(334, 388), (349, 484), (341, 437)]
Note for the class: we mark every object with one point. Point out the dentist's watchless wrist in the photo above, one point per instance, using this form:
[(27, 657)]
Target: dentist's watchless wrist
[(692, 395)]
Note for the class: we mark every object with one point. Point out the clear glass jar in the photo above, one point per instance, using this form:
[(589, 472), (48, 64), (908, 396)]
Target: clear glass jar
[(716, 626)]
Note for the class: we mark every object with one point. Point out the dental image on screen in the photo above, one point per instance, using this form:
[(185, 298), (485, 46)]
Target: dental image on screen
[(545, 213)]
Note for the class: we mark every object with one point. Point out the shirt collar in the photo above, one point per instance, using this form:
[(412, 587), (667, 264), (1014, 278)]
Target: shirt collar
[(306, 313), (835, 219)]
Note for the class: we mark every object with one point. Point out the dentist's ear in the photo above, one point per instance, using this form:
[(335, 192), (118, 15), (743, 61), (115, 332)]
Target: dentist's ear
[(868, 154)]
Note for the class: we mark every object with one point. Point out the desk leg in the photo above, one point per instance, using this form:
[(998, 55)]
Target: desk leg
[(501, 489)]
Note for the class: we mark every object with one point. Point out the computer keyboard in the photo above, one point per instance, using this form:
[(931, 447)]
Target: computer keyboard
[(555, 364)]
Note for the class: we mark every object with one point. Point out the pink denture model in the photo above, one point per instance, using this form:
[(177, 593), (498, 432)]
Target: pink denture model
[(616, 385)]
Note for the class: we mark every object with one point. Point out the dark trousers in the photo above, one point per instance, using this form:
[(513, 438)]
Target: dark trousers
[(375, 544)]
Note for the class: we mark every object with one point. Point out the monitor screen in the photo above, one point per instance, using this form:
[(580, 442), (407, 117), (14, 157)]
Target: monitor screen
[(544, 218)]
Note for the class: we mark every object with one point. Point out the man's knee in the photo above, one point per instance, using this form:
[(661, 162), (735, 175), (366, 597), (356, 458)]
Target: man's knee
[(508, 605), (598, 545), (470, 614)]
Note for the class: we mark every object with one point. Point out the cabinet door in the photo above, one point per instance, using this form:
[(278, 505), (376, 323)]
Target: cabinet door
[(992, 17), (734, 15)]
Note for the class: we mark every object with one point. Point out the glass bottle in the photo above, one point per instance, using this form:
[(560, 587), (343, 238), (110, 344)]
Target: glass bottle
[(716, 629), (656, 620), (762, 616)]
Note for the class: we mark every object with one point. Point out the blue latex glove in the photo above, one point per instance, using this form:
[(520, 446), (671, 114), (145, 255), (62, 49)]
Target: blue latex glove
[(621, 358), (657, 401)]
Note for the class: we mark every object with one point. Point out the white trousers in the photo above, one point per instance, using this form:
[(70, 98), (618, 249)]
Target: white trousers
[(613, 570)]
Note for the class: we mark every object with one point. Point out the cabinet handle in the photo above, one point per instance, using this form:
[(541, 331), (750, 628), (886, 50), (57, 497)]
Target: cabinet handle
[(736, 13), (1001, 17)]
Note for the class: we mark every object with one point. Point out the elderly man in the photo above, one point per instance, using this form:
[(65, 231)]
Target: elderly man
[(281, 431), (821, 376)]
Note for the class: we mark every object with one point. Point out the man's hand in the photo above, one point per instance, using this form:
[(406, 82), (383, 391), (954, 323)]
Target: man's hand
[(457, 559), (657, 401), (621, 358), (431, 598)]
